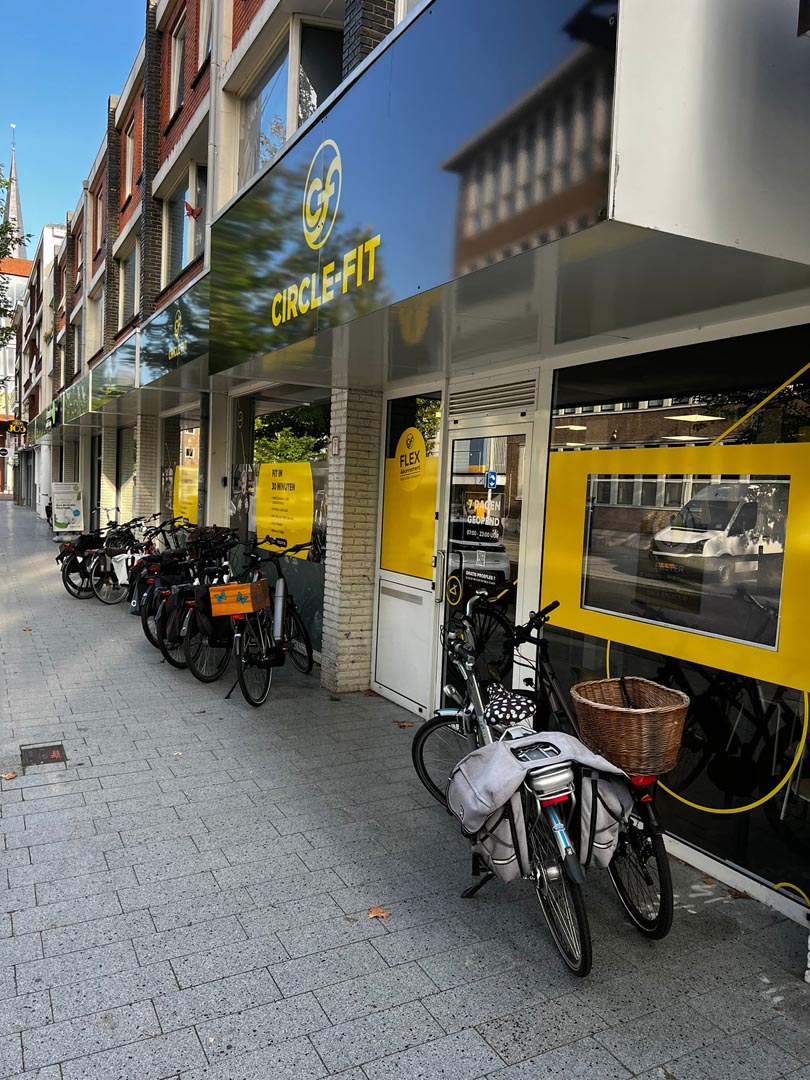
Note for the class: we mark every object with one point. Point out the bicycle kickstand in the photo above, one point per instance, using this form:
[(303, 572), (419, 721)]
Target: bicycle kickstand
[(479, 871), (232, 689)]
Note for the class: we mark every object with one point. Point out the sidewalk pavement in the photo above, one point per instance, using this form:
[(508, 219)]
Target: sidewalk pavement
[(188, 897)]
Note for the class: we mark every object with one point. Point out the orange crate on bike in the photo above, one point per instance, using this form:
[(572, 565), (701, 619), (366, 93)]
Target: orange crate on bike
[(239, 599)]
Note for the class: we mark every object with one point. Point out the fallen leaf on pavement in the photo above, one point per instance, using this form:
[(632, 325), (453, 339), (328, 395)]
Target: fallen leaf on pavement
[(378, 913), (10, 775), (738, 894), (708, 881), (404, 723)]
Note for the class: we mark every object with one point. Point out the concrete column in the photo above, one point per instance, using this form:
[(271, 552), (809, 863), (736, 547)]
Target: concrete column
[(218, 509), (352, 540), (70, 473), (147, 465), (169, 460)]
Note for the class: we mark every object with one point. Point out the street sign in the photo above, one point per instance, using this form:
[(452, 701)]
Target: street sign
[(492, 480)]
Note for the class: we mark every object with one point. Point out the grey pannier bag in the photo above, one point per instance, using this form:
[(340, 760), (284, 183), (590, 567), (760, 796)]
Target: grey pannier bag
[(604, 804)]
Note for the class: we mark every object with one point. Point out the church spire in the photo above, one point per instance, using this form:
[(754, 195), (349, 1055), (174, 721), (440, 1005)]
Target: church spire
[(13, 210)]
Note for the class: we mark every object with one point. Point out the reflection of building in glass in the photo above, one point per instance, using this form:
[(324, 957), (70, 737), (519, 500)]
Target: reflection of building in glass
[(539, 171)]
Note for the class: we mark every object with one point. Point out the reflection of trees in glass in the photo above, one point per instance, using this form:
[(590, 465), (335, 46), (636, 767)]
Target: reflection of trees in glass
[(272, 140), (784, 419), (287, 446), (258, 250), (428, 421)]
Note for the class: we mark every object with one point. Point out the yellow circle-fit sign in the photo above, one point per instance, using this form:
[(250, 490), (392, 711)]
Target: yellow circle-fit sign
[(322, 194), (410, 458)]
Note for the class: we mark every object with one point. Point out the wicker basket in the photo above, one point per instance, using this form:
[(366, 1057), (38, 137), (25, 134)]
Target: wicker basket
[(633, 722)]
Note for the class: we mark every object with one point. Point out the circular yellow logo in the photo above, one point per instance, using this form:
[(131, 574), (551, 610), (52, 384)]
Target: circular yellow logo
[(453, 590), (322, 194), (178, 324), (410, 458)]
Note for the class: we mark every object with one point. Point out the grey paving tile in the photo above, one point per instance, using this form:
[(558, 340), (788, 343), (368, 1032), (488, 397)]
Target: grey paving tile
[(11, 1060), (489, 998), (425, 940), (201, 909), (164, 867), (383, 891), (25, 1011), (185, 940), (296, 885), (234, 994), (292, 913), (57, 870), (466, 962), (529, 1032), (66, 913), (791, 1033), (659, 1037), (88, 1034), (461, 1056), (582, 1060), (16, 899), (322, 969), (73, 967), (37, 807), (228, 960), (104, 931), (754, 1001), (262, 1026), (376, 1036), (17, 950), (748, 1055), (329, 934), (78, 998), (292, 1060), (79, 888), (151, 1059), (365, 994)]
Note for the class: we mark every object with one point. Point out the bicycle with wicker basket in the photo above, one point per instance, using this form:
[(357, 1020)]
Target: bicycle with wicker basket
[(637, 725)]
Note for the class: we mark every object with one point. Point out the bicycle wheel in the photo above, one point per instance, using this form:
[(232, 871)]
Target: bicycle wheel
[(75, 579), (103, 581), (299, 647), (437, 748), (173, 651), (206, 660), (560, 898), (493, 635), (252, 661), (149, 606), (641, 877)]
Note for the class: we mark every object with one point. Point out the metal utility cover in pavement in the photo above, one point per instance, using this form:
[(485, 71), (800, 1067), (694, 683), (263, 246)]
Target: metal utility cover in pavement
[(42, 755)]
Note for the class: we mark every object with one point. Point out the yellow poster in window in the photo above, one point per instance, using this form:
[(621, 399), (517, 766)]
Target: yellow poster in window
[(285, 502), (409, 508), (715, 573), (184, 499)]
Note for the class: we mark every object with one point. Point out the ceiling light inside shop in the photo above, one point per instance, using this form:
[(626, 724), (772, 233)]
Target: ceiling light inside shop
[(687, 438), (571, 427), (695, 418), (575, 444)]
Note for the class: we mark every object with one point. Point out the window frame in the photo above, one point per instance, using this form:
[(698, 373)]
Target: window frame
[(187, 181), (205, 31), (98, 220), (133, 249), (177, 93), (289, 36), (129, 158)]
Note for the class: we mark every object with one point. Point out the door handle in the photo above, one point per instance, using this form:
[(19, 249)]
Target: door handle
[(438, 584)]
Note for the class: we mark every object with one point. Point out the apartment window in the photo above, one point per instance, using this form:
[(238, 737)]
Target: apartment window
[(128, 159), (206, 29), (405, 7), (264, 118), (98, 219), (178, 66), (78, 341), (320, 69), (95, 323), (79, 253), (184, 222), (129, 286)]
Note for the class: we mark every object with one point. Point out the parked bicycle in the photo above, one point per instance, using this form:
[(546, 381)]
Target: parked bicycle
[(263, 639), (639, 868)]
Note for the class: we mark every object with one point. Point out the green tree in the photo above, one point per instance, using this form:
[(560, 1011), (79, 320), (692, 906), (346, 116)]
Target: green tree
[(9, 239), (285, 445), (305, 420)]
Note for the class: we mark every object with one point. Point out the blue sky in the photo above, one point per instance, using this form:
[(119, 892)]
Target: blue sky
[(60, 62)]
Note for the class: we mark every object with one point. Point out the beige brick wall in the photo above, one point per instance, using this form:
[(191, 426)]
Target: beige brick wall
[(109, 489), (350, 556), (147, 465)]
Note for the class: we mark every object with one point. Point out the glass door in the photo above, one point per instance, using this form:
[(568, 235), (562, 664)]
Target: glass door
[(483, 540)]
